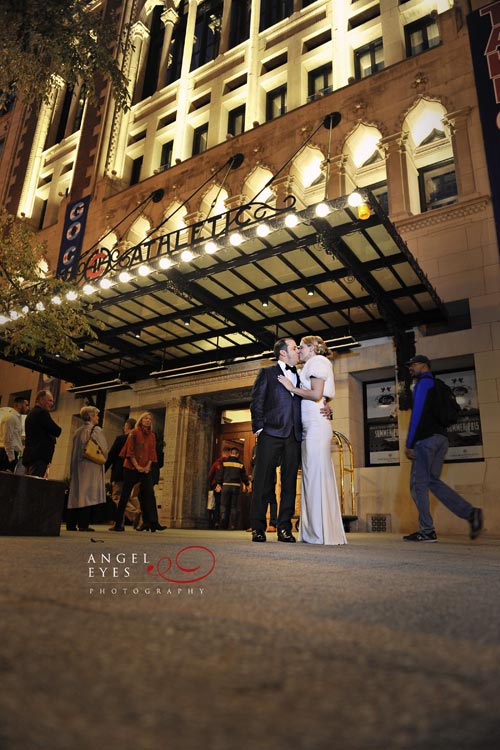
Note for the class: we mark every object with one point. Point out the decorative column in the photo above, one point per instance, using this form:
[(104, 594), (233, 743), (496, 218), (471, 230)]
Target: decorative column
[(226, 21), (337, 182), (28, 193), (169, 18), (464, 169), (119, 130), (398, 184), (188, 449), (282, 187), (185, 86)]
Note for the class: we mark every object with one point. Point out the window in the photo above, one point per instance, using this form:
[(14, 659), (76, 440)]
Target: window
[(273, 11), (239, 26), (276, 103), (207, 33), (2, 144), (177, 45), (135, 175), (154, 53), (379, 190), (236, 121), (369, 59), (319, 81), (167, 151), (421, 35), (437, 185), (200, 139)]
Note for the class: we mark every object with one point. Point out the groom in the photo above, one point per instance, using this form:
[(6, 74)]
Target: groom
[(277, 423)]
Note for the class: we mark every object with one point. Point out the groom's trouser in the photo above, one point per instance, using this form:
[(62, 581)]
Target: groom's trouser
[(271, 453)]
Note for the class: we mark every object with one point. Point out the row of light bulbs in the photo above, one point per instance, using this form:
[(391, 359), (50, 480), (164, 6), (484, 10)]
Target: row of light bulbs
[(263, 229)]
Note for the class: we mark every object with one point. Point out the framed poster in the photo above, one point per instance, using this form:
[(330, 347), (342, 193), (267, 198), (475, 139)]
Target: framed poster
[(381, 423), (465, 437)]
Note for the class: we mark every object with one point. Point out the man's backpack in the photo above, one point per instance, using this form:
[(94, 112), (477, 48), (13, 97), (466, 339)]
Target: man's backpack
[(445, 407)]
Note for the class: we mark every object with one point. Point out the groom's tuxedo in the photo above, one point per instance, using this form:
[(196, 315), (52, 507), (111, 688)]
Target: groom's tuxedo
[(277, 413)]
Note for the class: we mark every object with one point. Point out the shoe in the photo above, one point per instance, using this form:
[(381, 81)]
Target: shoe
[(286, 536), (145, 527), (117, 528), (87, 529), (476, 523), (137, 520), (258, 536), (71, 528), (158, 527), (271, 527), (421, 536)]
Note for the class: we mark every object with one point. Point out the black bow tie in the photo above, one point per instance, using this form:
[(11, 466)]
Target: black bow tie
[(293, 369)]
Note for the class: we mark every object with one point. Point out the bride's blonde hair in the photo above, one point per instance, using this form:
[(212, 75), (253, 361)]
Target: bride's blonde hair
[(317, 342)]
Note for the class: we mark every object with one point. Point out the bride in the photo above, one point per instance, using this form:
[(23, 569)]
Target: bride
[(320, 517)]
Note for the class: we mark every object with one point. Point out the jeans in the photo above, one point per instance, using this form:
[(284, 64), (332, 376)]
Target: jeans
[(425, 472)]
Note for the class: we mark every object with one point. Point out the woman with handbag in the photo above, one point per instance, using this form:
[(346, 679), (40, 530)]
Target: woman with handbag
[(139, 454), (87, 486)]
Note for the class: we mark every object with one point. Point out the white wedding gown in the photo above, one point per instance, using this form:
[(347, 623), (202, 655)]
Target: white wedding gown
[(320, 514)]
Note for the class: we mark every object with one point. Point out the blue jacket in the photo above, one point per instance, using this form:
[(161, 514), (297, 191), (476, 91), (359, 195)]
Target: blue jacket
[(423, 423)]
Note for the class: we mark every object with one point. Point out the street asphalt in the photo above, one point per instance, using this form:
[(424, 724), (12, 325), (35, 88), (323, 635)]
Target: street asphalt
[(201, 639)]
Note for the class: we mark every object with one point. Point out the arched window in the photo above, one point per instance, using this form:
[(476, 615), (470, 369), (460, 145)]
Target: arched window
[(432, 179), (365, 164)]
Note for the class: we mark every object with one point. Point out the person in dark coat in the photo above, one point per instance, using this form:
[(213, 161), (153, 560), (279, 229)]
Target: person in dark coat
[(115, 463), (41, 435)]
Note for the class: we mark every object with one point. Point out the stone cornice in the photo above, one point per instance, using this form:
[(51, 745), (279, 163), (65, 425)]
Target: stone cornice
[(456, 212)]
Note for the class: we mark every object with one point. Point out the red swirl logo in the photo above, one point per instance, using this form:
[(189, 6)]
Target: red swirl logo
[(194, 560)]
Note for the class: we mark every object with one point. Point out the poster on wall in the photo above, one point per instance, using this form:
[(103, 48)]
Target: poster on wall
[(465, 438), (381, 424)]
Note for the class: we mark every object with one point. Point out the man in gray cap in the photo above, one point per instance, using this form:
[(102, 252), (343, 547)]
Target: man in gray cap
[(426, 447)]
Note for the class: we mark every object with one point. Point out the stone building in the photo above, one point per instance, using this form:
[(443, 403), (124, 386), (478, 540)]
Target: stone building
[(289, 104)]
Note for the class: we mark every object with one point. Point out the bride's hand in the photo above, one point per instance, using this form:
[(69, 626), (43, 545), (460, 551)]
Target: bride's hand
[(284, 381)]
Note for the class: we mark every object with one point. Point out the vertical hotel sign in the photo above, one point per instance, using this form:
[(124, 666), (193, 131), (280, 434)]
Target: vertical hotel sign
[(72, 238), (484, 38)]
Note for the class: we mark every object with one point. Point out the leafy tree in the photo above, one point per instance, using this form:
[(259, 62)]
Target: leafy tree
[(30, 322), (75, 39)]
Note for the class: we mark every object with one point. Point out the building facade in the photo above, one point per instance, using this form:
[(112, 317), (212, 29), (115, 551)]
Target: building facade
[(212, 79)]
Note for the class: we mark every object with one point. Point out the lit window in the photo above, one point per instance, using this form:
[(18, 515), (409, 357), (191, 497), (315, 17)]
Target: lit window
[(369, 59), (437, 185), (319, 81), (276, 103), (236, 121), (421, 35), (200, 139)]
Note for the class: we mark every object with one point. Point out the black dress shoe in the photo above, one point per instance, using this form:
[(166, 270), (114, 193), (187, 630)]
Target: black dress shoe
[(286, 536), (155, 526), (476, 522), (144, 527), (258, 536), (71, 528), (117, 527), (87, 529)]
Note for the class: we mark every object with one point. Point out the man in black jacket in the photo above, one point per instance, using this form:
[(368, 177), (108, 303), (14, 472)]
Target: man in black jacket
[(41, 435), (115, 462)]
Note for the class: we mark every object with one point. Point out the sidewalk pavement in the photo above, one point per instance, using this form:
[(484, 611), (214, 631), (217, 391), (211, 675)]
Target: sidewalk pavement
[(377, 645)]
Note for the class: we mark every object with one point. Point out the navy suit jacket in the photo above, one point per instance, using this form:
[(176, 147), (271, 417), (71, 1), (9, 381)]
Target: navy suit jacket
[(274, 410)]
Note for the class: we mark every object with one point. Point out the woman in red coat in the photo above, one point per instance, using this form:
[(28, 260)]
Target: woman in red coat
[(139, 453)]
